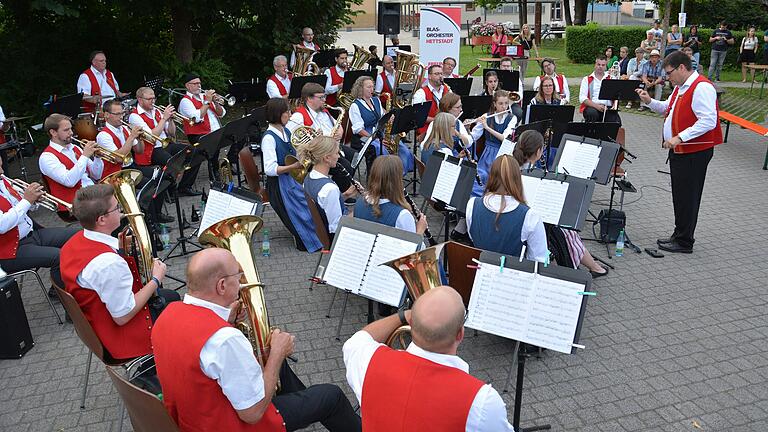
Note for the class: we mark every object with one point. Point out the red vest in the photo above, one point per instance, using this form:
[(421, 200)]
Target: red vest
[(96, 89), (683, 117), (194, 401), (280, 87), (57, 189), (9, 241), (122, 341), (386, 90), (305, 115), (590, 78), (402, 392), (336, 79), (144, 159), (204, 126), (434, 109), (109, 167)]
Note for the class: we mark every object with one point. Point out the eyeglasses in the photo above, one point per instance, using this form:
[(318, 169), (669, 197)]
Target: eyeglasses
[(197, 83), (238, 274), (117, 113), (666, 71), (117, 208), (148, 98), (466, 314), (320, 96)]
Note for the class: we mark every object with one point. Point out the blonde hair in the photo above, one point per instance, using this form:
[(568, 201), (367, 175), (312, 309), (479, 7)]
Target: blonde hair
[(441, 131), (318, 148), (357, 87)]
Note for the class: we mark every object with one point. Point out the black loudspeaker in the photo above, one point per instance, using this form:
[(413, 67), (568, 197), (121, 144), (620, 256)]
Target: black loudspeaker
[(617, 222), (389, 18), (15, 337)]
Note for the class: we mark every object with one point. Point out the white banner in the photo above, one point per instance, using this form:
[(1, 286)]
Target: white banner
[(440, 35)]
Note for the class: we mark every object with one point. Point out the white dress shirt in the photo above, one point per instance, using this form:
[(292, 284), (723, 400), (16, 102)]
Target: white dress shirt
[(2, 118), (273, 91), (310, 45), (421, 96), (109, 275), (16, 215), (479, 130), (594, 91), (329, 199), (84, 84), (703, 104), (320, 121), (137, 120), (187, 109), (537, 83), (104, 139), (487, 412), (51, 167), (356, 118), (269, 150), (533, 227), (227, 357), (380, 82), (329, 88)]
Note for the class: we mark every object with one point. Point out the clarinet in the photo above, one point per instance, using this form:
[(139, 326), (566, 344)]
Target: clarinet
[(360, 189), (417, 215)]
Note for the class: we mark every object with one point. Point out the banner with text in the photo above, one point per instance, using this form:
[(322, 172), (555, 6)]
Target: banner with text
[(440, 35)]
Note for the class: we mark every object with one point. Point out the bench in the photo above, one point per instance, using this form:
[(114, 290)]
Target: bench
[(729, 118)]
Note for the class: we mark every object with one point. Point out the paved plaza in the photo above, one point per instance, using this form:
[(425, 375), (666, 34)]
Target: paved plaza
[(672, 344)]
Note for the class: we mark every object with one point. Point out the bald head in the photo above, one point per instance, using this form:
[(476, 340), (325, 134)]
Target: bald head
[(206, 268), (437, 320)]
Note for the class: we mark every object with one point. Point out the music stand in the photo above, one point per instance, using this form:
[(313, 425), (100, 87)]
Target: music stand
[(156, 84), (618, 89), (325, 58), (173, 169), (351, 76), (475, 106), (413, 117), (508, 80), (460, 86), (298, 82), (390, 50), (248, 90), (68, 105), (600, 131), (528, 95)]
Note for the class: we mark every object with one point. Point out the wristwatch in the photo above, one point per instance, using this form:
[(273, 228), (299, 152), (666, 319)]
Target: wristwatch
[(401, 314)]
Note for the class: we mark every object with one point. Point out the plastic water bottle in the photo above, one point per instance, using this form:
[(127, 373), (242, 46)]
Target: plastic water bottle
[(265, 243), (165, 236), (620, 244)]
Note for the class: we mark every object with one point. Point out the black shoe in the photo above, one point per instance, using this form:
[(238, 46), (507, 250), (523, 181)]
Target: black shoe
[(666, 240), (52, 294), (350, 201), (189, 192), (675, 247), (459, 237), (162, 218), (596, 275)]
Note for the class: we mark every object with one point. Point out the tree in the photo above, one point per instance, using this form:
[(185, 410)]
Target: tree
[(580, 12), (739, 14), (522, 12), (567, 10)]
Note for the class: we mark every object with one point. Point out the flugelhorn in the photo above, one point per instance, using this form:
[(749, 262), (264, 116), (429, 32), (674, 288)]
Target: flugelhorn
[(105, 154), (149, 137), (177, 116), (47, 201), (302, 136)]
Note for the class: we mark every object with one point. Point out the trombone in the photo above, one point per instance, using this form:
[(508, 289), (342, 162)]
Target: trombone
[(149, 137), (106, 154), (47, 201), (177, 116)]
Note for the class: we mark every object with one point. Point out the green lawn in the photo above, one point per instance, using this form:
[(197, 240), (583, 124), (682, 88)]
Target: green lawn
[(564, 66)]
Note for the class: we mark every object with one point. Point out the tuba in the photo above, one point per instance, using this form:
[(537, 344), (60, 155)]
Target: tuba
[(302, 136), (408, 71), (234, 234), (359, 60), (304, 61), (420, 272)]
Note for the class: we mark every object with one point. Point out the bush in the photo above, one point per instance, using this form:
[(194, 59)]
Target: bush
[(583, 43)]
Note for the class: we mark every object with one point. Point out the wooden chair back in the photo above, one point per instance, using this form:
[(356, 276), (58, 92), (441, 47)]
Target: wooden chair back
[(146, 411), (82, 325), (251, 171), (457, 257), (321, 229)]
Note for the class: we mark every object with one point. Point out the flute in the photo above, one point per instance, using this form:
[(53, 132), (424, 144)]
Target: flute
[(417, 214), (474, 120)]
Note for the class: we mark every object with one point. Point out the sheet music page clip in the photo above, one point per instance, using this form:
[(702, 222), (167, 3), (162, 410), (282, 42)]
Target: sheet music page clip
[(502, 260), (546, 260), (578, 346), (535, 268), (522, 254), (587, 293), (476, 261)]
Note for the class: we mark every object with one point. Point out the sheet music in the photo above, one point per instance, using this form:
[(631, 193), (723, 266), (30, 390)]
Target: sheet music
[(507, 147), (545, 197), (446, 181), (535, 309), (382, 283), (579, 159), (346, 266), (221, 205)]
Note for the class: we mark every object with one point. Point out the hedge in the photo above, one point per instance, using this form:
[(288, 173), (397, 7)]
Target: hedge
[(583, 43)]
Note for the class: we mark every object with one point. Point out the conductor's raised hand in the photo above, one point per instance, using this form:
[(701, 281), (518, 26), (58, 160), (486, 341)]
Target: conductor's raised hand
[(644, 96), (282, 343)]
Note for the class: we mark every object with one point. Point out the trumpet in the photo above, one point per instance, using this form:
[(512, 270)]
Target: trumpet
[(47, 201), (149, 137), (227, 100), (177, 116), (105, 154)]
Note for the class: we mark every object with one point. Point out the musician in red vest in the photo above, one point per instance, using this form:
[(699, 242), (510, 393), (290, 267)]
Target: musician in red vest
[(427, 386), (160, 124), (691, 131), (592, 107), (97, 82), (561, 83), (279, 84), (105, 282), (212, 368), (433, 91), (335, 74), (64, 166), (385, 81), (24, 244), (200, 106), (307, 40)]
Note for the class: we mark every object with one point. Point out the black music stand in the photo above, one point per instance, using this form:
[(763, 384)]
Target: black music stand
[(475, 106), (414, 117), (253, 137), (69, 105), (351, 76), (559, 115), (618, 89), (508, 80), (460, 86), (325, 58), (234, 135), (243, 91), (298, 82), (528, 95), (461, 191), (156, 84), (174, 169), (600, 131)]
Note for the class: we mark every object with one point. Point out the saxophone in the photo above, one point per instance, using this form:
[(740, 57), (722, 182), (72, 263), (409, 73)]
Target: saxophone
[(390, 141)]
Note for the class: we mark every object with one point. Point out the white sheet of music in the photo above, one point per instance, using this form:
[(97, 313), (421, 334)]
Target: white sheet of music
[(383, 283), (346, 267), (507, 147), (530, 308), (446, 181), (222, 205), (545, 197), (579, 159)]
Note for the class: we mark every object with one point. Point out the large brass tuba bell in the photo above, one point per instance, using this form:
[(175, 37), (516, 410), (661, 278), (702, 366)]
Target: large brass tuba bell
[(420, 272), (234, 234), (304, 61), (408, 71), (359, 61)]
